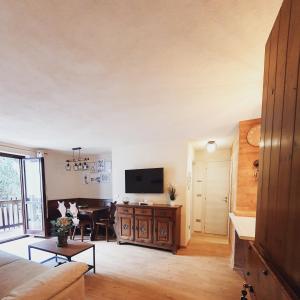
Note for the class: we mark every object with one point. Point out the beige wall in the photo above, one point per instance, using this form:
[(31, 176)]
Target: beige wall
[(171, 156), (62, 184)]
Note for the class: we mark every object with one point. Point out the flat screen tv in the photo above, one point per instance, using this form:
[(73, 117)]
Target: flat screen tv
[(144, 181)]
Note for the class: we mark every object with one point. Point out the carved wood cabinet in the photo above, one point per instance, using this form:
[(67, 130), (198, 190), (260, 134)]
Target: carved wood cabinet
[(155, 226)]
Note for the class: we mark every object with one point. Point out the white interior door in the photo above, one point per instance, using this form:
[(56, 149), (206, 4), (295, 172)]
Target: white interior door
[(198, 196), (216, 200)]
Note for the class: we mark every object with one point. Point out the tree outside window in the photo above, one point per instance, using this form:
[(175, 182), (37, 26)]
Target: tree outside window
[(10, 181)]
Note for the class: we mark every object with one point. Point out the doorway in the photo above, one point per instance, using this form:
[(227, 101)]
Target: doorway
[(22, 196), (211, 197)]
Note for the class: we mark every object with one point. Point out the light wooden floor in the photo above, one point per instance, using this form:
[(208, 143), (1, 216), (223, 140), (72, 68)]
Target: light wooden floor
[(201, 271)]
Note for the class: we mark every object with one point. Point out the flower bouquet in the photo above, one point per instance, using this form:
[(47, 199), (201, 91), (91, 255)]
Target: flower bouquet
[(62, 228)]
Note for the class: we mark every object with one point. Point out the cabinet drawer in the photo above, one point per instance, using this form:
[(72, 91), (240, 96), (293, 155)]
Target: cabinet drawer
[(262, 279), (143, 211), (161, 212), (125, 210)]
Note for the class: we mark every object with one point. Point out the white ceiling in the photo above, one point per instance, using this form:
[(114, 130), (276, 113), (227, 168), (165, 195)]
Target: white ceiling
[(98, 73)]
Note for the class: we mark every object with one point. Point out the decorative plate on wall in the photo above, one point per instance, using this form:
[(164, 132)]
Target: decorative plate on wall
[(253, 136)]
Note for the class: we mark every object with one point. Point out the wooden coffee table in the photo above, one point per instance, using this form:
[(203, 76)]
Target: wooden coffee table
[(62, 253)]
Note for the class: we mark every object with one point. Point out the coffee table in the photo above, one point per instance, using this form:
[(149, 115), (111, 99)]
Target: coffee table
[(62, 253)]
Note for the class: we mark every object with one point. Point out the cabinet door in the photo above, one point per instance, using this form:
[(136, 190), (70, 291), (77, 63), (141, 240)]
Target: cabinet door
[(163, 231), (125, 227), (143, 229)]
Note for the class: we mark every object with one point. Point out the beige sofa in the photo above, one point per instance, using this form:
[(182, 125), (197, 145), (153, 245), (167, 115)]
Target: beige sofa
[(23, 280)]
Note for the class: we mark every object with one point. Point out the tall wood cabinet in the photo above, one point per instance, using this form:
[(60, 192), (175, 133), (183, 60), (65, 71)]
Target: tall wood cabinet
[(156, 226), (274, 258)]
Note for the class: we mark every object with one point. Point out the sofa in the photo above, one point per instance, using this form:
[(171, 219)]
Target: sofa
[(22, 279)]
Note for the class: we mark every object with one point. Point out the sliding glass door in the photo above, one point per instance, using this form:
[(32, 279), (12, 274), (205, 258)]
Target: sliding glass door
[(34, 196)]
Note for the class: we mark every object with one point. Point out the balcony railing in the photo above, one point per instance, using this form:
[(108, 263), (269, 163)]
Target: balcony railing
[(11, 215)]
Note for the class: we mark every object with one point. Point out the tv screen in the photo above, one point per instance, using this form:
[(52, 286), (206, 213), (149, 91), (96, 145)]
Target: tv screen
[(146, 181)]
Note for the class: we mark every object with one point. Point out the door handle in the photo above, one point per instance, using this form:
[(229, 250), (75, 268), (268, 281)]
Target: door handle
[(226, 199)]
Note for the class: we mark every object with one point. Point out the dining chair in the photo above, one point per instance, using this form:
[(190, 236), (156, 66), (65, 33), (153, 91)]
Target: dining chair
[(79, 221), (108, 221)]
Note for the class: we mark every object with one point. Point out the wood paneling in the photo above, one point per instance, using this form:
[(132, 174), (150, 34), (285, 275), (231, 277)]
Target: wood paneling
[(278, 209), (246, 182)]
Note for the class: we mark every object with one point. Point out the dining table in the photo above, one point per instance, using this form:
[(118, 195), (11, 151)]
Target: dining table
[(94, 213)]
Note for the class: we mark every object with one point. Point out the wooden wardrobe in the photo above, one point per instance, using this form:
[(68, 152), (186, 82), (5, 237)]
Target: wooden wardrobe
[(273, 260)]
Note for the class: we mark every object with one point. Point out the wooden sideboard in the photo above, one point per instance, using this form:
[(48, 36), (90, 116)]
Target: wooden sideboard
[(155, 226)]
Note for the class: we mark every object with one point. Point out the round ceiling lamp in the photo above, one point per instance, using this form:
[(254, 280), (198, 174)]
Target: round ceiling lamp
[(211, 146)]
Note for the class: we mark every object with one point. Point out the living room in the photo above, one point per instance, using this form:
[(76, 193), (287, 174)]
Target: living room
[(149, 149)]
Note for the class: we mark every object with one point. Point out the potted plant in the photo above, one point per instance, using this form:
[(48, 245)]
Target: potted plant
[(62, 228), (172, 194)]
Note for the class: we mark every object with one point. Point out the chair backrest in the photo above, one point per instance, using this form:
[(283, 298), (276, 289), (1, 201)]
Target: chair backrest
[(73, 209), (112, 210), (62, 208)]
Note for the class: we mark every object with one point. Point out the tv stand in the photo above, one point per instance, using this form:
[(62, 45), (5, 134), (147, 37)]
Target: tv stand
[(156, 226)]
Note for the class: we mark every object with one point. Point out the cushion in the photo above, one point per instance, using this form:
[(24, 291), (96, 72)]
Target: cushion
[(18, 272), (49, 283)]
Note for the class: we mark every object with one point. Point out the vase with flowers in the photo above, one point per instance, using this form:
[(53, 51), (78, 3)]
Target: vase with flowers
[(62, 228), (172, 194)]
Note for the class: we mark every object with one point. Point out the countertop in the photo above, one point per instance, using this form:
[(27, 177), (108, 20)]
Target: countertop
[(244, 226)]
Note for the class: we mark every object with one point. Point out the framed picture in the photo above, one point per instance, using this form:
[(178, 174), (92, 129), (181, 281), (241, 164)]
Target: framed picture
[(105, 178), (107, 166), (101, 165)]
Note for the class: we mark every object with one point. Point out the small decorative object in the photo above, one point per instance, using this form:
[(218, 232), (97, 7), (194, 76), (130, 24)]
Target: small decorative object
[(61, 227), (172, 194), (256, 168), (253, 136), (126, 200), (62, 208)]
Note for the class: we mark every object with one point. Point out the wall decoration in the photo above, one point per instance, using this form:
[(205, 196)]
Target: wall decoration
[(107, 166), (105, 178), (86, 178), (253, 135), (101, 165)]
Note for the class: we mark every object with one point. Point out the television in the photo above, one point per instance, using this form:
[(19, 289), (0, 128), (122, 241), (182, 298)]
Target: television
[(144, 181)]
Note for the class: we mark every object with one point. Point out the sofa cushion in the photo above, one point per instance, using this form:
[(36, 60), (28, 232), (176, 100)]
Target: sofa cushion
[(6, 258), (17, 272), (50, 283)]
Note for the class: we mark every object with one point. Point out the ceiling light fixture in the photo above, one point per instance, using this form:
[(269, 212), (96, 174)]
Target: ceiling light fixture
[(211, 146), (79, 163)]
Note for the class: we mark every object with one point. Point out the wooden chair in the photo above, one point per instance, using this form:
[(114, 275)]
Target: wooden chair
[(83, 221), (108, 221)]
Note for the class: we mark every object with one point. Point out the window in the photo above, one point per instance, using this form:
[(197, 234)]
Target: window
[(10, 178)]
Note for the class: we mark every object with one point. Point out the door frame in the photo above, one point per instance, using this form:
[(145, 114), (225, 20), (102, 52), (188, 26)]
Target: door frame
[(44, 199)]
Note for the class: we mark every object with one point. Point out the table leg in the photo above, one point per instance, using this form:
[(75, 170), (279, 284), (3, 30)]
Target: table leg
[(93, 231), (55, 257), (94, 260), (29, 252)]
